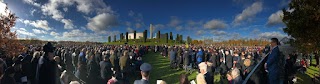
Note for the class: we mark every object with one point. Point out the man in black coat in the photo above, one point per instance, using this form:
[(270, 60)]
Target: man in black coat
[(214, 59), (46, 69), (316, 55), (229, 61), (105, 69)]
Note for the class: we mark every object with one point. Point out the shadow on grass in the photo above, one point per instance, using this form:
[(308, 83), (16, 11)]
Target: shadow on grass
[(307, 77), (161, 70)]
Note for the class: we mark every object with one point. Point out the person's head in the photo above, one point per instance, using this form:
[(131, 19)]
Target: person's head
[(57, 59), (184, 79), (163, 82), (274, 42), (235, 73), (125, 53), (227, 52), (203, 67), (229, 77), (145, 70), (247, 62), (249, 56), (48, 49), (111, 52), (36, 54)]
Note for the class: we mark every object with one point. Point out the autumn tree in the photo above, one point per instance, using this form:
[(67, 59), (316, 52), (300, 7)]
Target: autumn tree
[(9, 44), (302, 23)]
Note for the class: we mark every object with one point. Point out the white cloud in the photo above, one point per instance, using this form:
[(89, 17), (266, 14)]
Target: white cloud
[(215, 24), (102, 22), (67, 23), (192, 23), (255, 31), (51, 9), (235, 36), (32, 2), (43, 24), (54, 33), (158, 26), (248, 13), (138, 25), (131, 13), (2, 8), (269, 35), (84, 6), (200, 32), (174, 21), (25, 32), (78, 35), (275, 18), (65, 9), (32, 12), (37, 31), (128, 24), (178, 28), (130, 29), (218, 33)]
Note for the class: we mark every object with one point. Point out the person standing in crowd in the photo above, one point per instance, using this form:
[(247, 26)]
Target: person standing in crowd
[(199, 56), (272, 63), (74, 57), (105, 69), (186, 61), (179, 57), (316, 56), (124, 65), (236, 78), (172, 58), (145, 73), (229, 61), (46, 69), (289, 70), (213, 60), (247, 67), (93, 69), (8, 76), (184, 79), (204, 75)]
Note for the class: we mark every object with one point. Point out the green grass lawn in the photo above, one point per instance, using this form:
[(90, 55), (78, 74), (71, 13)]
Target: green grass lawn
[(161, 70), (306, 78)]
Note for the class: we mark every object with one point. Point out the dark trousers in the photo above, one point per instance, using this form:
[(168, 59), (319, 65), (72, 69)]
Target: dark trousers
[(273, 78), (172, 64)]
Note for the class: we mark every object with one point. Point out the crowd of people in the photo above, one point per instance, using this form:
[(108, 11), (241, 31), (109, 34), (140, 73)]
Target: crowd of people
[(120, 64), (236, 61), (98, 64)]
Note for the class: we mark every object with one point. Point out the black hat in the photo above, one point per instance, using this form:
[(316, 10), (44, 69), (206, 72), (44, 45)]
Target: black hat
[(48, 47)]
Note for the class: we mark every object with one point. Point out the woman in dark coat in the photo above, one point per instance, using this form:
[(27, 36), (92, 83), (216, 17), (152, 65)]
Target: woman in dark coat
[(8, 76)]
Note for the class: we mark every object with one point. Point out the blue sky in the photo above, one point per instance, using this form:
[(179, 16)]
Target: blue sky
[(94, 20)]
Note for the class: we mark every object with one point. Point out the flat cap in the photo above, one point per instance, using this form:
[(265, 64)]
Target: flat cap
[(145, 67)]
